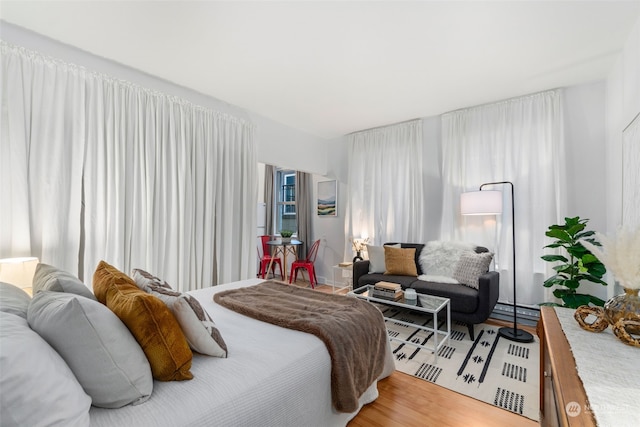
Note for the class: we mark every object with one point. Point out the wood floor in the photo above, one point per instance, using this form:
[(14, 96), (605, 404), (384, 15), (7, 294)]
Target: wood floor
[(407, 401)]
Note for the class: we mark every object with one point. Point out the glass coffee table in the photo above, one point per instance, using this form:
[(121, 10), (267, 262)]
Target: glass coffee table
[(429, 304)]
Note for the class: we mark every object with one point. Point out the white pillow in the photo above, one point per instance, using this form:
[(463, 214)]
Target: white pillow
[(103, 355), (199, 329), (13, 300), (38, 388), (50, 278), (439, 258), (376, 258)]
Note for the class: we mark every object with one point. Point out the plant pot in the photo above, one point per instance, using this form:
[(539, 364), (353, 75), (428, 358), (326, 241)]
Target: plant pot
[(624, 306), (286, 239)]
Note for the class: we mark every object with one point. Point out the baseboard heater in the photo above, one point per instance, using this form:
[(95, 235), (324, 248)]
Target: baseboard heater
[(526, 315)]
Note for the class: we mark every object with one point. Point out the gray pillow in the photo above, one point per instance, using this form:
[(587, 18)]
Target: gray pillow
[(13, 300), (471, 266), (50, 278), (38, 388), (105, 358)]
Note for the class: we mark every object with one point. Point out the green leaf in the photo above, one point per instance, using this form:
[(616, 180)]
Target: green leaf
[(558, 234), (552, 258), (553, 280), (597, 301), (582, 235), (576, 300), (561, 293), (575, 229), (572, 284)]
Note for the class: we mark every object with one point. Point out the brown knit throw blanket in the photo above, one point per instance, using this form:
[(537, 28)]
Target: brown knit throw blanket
[(353, 331)]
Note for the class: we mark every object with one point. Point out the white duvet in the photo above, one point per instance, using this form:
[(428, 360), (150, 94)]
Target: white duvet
[(272, 377)]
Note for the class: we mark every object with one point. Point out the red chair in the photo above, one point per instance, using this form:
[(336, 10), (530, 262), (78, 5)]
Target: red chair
[(266, 259), (306, 264)]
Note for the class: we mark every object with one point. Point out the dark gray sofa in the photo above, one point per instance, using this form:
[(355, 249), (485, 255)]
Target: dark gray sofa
[(468, 305)]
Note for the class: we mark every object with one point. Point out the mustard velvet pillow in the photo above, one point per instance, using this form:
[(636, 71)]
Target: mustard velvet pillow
[(150, 321), (400, 261)]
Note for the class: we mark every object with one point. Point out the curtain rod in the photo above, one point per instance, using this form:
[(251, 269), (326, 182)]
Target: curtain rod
[(631, 122), (501, 101), (384, 126)]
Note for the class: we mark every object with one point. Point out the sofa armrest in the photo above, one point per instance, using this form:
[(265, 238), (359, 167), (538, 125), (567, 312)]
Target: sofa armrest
[(488, 292), (360, 268)]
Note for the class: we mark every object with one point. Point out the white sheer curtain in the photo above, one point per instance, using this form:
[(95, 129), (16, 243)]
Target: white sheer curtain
[(166, 186), (386, 195), (519, 140), (41, 153)]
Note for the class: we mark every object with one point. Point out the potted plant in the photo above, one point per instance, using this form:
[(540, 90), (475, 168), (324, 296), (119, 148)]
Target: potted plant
[(578, 264), (285, 235)]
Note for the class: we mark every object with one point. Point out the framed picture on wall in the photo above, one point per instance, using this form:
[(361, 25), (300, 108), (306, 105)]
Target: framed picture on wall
[(328, 198)]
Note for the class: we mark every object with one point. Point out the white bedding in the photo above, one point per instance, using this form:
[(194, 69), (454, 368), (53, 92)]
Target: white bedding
[(272, 377)]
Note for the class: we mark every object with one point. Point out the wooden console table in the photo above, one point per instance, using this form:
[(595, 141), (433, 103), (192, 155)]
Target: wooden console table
[(560, 384)]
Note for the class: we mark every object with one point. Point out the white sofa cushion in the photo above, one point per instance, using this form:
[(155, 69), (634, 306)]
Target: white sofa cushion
[(38, 388), (377, 258)]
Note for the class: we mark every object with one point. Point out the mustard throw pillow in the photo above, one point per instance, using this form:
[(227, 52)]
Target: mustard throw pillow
[(400, 262), (150, 321)]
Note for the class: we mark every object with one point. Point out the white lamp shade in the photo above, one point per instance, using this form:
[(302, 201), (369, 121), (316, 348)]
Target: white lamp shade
[(18, 271), (481, 203)]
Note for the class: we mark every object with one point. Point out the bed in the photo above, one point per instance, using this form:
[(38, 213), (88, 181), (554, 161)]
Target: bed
[(272, 377)]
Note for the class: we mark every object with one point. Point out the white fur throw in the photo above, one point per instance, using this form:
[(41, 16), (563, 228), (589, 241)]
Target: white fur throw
[(439, 258)]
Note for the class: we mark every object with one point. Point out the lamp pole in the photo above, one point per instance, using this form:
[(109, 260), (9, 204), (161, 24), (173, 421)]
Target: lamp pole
[(512, 334)]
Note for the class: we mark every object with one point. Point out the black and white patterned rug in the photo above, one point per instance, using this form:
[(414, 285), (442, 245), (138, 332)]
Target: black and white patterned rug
[(492, 369)]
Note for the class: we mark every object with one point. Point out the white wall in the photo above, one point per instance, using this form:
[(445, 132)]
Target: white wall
[(622, 105)]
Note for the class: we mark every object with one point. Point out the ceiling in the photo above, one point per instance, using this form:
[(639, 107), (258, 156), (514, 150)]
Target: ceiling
[(333, 67)]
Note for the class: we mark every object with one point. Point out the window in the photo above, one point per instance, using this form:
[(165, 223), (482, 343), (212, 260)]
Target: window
[(286, 201)]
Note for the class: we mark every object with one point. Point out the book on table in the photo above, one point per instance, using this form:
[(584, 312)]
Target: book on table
[(388, 286), (390, 295)]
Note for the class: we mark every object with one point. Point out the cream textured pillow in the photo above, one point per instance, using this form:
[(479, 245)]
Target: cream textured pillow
[(400, 262), (97, 346), (149, 320), (201, 332), (471, 266), (37, 388)]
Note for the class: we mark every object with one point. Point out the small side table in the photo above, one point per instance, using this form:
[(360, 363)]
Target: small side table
[(342, 277)]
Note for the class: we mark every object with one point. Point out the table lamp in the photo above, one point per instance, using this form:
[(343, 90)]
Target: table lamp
[(19, 272)]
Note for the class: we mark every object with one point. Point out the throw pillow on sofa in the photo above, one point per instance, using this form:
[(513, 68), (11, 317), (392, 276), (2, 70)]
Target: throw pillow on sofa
[(201, 332), (377, 258), (149, 320), (97, 346), (440, 258), (400, 262), (38, 388), (471, 266)]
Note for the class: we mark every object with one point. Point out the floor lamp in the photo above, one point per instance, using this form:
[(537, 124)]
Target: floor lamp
[(490, 203)]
